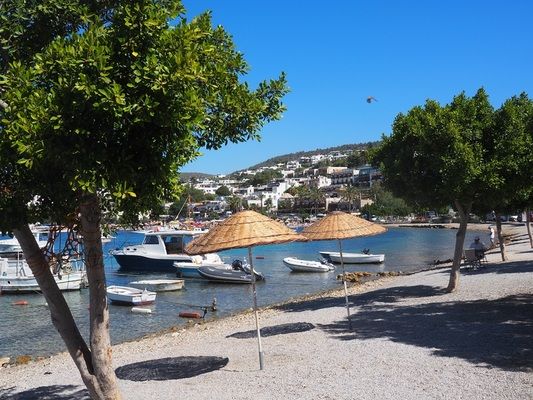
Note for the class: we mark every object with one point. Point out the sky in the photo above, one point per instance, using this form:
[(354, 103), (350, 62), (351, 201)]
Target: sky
[(338, 53)]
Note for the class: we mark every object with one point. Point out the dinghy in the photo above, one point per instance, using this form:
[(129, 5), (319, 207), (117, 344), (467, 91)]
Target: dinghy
[(298, 265), (353, 258), (129, 296), (239, 273)]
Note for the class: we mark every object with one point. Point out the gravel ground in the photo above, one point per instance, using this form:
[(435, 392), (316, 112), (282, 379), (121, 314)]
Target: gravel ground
[(407, 340)]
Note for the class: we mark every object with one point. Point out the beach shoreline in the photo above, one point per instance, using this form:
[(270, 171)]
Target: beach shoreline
[(375, 358)]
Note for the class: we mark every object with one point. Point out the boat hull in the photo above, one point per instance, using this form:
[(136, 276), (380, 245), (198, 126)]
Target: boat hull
[(28, 284), (213, 274), (146, 263), (128, 296), (159, 285), (297, 265), (353, 258), (190, 269)]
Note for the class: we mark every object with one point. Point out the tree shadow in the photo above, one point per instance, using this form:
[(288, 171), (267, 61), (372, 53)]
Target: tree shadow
[(53, 392), (170, 368), (311, 305), (514, 267), (281, 329), (493, 333)]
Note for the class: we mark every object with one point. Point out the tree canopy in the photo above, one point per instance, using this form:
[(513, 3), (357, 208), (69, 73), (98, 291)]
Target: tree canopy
[(101, 103)]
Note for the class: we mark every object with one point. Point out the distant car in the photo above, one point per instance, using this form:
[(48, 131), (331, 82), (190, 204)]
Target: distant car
[(513, 218)]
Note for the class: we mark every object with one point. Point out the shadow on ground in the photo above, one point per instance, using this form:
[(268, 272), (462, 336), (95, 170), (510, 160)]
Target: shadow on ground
[(54, 392), (169, 368), (494, 333), (513, 267), (281, 329)]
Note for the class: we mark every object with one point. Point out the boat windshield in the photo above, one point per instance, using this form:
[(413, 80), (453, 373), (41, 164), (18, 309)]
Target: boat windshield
[(174, 244)]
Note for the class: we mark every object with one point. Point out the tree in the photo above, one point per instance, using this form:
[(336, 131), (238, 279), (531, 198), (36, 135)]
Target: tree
[(235, 204), (435, 157), (223, 191), (102, 102), (350, 194), (508, 186)]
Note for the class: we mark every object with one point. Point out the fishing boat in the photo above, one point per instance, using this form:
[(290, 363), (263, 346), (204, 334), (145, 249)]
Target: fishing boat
[(239, 273), (298, 265), (353, 258), (159, 285), (158, 251), (129, 296), (17, 277)]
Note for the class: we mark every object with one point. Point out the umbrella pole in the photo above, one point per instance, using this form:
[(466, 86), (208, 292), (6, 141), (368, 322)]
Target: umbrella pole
[(345, 287), (255, 310)]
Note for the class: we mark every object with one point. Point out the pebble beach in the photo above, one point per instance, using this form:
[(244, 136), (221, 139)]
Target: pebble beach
[(406, 339)]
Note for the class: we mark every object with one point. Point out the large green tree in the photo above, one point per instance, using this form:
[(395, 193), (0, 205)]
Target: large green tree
[(435, 157), (102, 102)]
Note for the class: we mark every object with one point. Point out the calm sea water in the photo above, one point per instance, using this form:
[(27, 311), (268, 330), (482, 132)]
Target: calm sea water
[(27, 330)]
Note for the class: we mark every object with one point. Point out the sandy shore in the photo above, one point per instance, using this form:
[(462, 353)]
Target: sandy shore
[(407, 340)]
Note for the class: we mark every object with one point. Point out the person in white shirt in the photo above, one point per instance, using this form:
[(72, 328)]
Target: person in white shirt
[(479, 247)]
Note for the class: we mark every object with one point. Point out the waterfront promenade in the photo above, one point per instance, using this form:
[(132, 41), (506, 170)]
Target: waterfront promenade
[(408, 340)]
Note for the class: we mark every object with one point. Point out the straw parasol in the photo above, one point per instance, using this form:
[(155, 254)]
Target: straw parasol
[(244, 229), (337, 226)]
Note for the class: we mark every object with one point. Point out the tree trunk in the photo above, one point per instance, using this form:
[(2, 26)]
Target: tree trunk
[(528, 225), (459, 243), (90, 215), (59, 310), (500, 236)]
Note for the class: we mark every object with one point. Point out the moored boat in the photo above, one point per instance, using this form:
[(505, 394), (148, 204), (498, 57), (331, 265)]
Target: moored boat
[(129, 296), (298, 265), (159, 285), (17, 277), (190, 269), (353, 258), (239, 273), (158, 252)]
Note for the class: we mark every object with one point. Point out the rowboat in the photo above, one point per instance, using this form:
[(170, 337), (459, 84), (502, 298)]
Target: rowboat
[(129, 296), (353, 258), (298, 265), (159, 285)]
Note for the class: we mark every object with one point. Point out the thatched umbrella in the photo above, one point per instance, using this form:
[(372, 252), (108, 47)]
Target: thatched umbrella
[(244, 229), (339, 225)]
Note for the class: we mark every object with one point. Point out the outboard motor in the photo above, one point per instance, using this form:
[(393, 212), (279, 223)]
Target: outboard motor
[(237, 265)]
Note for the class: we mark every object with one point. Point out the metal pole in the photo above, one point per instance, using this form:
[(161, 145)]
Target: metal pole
[(261, 364), (345, 287)]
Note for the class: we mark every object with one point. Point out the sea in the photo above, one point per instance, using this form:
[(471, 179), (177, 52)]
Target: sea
[(28, 330)]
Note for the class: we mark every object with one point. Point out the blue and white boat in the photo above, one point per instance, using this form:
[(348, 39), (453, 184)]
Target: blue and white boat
[(158, 252), (189, 269)]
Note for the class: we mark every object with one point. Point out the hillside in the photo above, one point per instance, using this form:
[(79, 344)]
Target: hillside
[(294, 156)]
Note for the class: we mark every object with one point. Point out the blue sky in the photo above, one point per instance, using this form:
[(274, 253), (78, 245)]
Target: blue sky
[(337, 53)]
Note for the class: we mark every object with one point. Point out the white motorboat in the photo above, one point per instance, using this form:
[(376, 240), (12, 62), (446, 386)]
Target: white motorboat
[(17, 277), (158, 252), (353, 258), (298, 265), (129, 296), (159, 285), (10, 246)]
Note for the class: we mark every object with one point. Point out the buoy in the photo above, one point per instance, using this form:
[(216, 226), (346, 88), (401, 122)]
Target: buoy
[(141, 310), (20, 303), (190, 314)]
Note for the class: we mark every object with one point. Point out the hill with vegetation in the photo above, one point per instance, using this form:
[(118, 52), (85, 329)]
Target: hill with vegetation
[(295, 156)]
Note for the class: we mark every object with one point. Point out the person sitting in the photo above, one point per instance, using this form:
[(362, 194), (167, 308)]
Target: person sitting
[(479, 248)]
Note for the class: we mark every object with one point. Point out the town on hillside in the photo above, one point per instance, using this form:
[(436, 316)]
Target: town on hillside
[(304, 187)]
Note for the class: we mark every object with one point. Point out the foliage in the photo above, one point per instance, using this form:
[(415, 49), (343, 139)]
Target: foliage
[(138, 95), (223, 191), (264, 177)]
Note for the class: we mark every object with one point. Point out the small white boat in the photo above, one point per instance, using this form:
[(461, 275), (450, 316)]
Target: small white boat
[(159, 285), (353, 258), (17, 277), (189, 269), (129, 296), (297, 265)]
